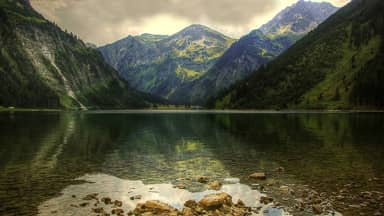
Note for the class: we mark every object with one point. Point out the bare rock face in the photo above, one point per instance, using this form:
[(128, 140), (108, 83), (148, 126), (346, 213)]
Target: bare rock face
[(155, 208)]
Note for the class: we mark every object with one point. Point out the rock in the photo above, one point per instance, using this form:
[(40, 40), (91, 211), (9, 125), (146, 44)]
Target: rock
[(98, 210), (280, 169), (240, 203), (190, 204), (266, 200), (187, 212), (117, 211), (180, 186), (84, 204), (214, 201), (215, 185), (91, 197), (203, 179), (377, 214), (258, 176), (136, 197), (106, 200), (118, 203), (156, 208), (317, 209)]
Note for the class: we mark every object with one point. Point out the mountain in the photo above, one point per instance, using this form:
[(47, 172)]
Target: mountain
[(254, 50), (337, 66), (299, 18), (43, 67), (160, 64)]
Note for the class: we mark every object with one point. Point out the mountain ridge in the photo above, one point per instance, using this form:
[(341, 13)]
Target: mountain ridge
[(337, 66), (163, 65), (42, 66), (252, 51)]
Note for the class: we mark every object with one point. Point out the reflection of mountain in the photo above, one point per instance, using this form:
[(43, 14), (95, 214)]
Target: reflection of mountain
[(319, 147), (41, 153)]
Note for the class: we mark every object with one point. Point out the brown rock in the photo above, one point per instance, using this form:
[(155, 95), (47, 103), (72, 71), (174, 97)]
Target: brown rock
[(258, 176), (117, 211), (215, 185), (118, 203), (317, 209), (266, 200), (84, 204), (106, 200), (91, 197), (214, 201), (180, 186), (156, 208), (190, 204), (240, 203), (187, 212), (98, 210), (203, 179)]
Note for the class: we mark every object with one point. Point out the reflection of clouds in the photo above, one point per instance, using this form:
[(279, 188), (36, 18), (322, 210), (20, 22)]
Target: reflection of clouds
[(115, 188)]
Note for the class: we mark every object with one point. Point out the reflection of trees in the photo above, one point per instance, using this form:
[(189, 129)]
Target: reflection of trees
[(41, 153), (315, 147)]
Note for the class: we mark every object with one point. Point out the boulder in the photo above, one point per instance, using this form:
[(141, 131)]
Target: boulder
[(156, 208), (213, 201)]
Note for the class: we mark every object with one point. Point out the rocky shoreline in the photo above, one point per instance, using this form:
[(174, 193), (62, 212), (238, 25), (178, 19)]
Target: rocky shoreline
[(281, 200)]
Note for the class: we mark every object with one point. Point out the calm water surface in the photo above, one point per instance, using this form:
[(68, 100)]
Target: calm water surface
[(44, 154)]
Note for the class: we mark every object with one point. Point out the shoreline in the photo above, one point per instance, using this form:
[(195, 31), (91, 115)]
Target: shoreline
[(201, 111)]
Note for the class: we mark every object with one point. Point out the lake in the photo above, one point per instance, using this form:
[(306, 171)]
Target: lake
[(335, 159)]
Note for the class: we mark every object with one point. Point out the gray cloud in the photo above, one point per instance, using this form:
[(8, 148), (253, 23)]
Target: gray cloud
[(101, 21), (104, 21)]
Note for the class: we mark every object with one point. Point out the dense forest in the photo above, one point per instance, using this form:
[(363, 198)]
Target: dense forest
[(42, 66), (337, 66)]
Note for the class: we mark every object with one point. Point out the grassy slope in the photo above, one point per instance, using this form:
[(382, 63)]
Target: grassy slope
[(337, 66)]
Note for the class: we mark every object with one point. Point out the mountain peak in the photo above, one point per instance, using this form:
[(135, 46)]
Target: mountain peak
[(299, 18), (197, 32)]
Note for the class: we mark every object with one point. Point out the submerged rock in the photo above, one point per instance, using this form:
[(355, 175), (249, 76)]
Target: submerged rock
[(180, 186), (203, 179), (215, 185), (106, 200), (258, 176), (118, 203), (266, 200)]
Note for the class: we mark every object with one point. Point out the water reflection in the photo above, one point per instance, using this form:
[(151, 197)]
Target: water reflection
[(42, 153)]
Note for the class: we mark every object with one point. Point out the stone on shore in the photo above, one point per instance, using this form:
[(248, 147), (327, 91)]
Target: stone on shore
[(155, 208), (213, 201)]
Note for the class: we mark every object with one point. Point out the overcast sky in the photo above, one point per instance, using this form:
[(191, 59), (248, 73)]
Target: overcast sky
[(105, 21)]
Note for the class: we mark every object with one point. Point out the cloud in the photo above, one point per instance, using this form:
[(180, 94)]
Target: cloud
[(101, 21)]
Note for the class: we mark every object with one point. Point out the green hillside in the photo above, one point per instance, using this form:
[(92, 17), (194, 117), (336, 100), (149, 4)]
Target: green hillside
[(160, 64), (43, 67), (337, 66)]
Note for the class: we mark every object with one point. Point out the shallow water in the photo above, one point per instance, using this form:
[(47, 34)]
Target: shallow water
[(45, 155)]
